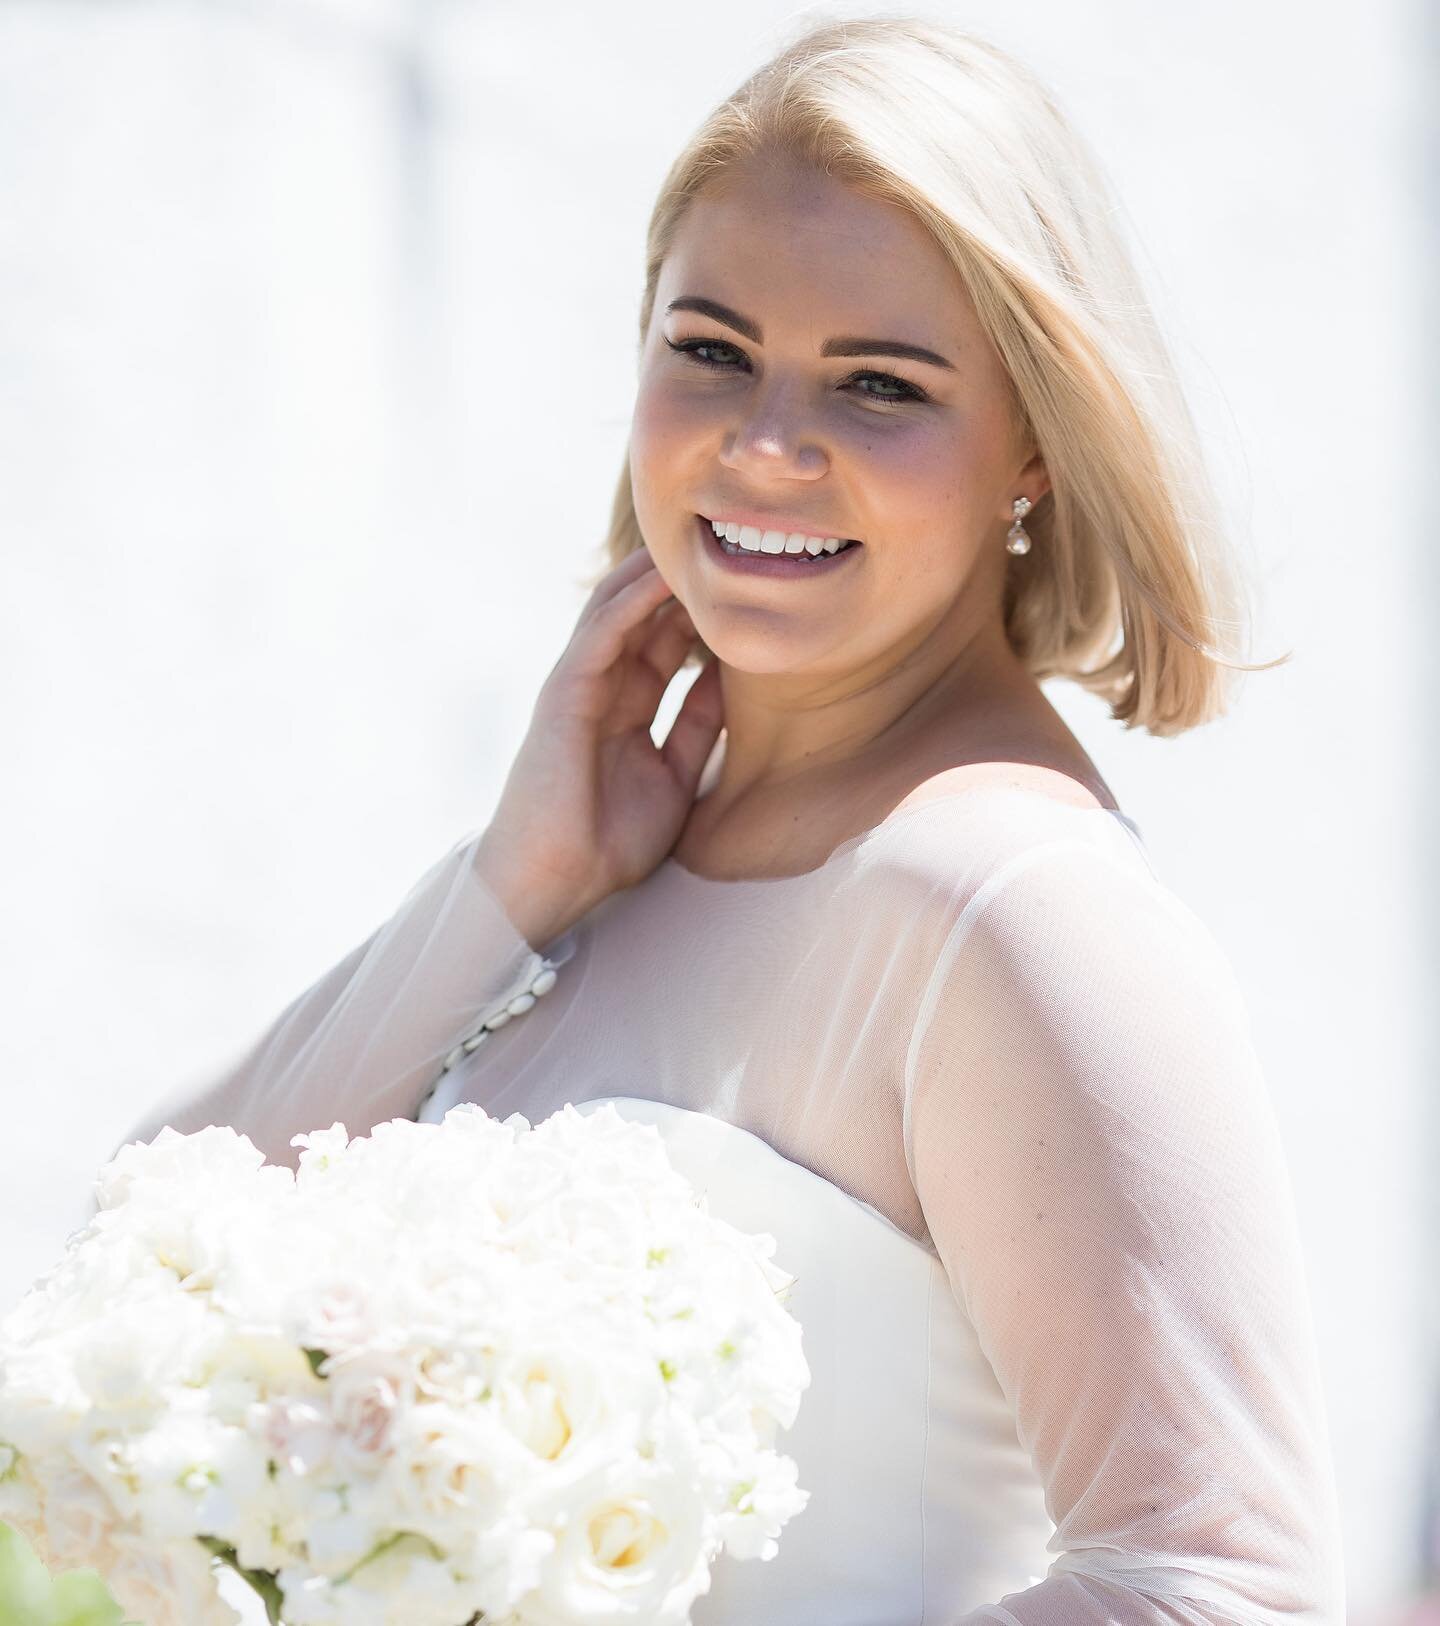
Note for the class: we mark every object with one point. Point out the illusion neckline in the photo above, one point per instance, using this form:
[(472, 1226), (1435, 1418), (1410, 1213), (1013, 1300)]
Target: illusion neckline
[(854, 843)]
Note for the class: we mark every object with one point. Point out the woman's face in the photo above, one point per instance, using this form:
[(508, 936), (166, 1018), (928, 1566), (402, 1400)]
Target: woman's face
[(770, 413)]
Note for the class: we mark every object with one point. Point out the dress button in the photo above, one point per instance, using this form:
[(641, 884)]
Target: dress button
[(520, 1004), (454, 1056), (469, 1044), (544, 982), (499, 1019)]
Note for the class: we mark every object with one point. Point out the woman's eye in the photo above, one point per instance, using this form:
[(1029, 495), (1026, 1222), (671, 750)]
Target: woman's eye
[(693, 347)]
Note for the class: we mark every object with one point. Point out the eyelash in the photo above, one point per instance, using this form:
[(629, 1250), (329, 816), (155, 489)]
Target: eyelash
[(690, 347)]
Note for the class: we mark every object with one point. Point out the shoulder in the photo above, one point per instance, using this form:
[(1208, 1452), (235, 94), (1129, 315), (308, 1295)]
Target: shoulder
[(1065, 789), (1075, 953), (1084, 990), (1022, 868), (959, 831)]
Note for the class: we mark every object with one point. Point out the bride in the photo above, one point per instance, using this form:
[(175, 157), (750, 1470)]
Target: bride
[(868, 937)]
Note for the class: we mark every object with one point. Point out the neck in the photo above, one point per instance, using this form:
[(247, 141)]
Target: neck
[(782, 732)]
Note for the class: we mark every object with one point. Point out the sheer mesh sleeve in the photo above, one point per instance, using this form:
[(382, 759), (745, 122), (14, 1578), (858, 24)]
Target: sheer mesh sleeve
[(364, 1043), (1095, 1152)]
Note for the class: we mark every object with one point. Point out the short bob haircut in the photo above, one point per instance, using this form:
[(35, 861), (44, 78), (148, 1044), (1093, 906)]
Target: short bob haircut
[(1131, 588)]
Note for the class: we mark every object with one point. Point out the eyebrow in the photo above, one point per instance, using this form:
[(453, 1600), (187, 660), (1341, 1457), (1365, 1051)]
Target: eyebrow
[(842, 345)]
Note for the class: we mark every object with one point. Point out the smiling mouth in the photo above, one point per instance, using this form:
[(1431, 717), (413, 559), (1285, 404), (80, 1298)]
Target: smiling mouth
[(800, 556)]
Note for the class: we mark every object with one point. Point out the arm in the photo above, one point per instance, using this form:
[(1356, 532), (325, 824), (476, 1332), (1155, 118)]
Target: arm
[(1100, 1168), (368, 1039)]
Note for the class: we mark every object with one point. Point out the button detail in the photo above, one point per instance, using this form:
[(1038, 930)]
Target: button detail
[(541, 983)]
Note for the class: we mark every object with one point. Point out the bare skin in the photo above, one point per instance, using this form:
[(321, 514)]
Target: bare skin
[(840, 698)]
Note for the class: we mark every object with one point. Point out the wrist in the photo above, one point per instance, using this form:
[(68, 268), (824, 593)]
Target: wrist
[(535, 911)]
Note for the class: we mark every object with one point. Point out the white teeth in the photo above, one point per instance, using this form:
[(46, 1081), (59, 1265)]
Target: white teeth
[(755, 540)]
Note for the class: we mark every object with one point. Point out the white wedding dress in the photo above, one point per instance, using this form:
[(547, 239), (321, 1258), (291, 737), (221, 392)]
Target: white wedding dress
[(990, 1086)]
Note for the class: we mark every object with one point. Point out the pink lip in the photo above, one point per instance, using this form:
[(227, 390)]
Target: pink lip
[(788, 567), (789, 526)]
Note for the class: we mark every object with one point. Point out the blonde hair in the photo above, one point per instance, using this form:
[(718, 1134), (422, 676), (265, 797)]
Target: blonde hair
[(1131, 588)]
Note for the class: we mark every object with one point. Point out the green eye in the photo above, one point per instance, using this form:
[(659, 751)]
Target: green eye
[(691, 349)]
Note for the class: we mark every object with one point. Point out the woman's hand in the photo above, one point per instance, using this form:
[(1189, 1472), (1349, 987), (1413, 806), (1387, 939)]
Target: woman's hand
[(591, 804)]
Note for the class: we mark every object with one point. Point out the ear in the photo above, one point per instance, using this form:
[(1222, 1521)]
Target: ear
[(1034, 479)]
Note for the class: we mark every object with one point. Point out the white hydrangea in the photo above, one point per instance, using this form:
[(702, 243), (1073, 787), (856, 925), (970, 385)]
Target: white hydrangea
[(443, 1369)]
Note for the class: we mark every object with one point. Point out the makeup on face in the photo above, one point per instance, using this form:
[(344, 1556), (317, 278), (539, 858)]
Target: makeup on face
[(774, 551)]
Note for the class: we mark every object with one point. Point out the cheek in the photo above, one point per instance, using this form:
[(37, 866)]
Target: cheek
[(664, 421), (913, 480), (645, 426), (944, 468), (662, 464), (929, 488)]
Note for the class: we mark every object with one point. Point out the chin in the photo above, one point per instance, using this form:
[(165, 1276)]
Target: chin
[(758, 651)]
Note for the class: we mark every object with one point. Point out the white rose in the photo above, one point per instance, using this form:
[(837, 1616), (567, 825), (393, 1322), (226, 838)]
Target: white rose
[(363, 1407), (631, 1544), (297, 1433), (450, 1473), (342, 1315), (576, 1402)]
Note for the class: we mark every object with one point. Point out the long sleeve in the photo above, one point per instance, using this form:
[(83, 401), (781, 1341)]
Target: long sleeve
[(362, 1044), (1099, 1165)]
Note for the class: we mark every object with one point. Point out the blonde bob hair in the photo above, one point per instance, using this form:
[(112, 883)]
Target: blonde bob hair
[(1130, 588)]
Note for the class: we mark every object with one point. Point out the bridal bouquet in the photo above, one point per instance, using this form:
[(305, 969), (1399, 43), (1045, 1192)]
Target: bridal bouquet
[(446, 1374)]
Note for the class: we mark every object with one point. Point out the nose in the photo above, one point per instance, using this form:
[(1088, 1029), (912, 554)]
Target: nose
[(771, 436)]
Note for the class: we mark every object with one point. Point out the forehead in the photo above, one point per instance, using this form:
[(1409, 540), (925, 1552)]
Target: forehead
[(781, 241)]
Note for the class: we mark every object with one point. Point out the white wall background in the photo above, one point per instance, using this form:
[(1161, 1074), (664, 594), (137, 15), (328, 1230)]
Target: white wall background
[(317, 334)]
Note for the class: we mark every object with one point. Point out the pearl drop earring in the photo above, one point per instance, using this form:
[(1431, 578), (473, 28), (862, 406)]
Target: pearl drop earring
[(1017, 539)]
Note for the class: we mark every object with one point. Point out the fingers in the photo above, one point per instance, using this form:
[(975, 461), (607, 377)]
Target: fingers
[(600, 638), (631, 566), (696, 727), (670, 636)]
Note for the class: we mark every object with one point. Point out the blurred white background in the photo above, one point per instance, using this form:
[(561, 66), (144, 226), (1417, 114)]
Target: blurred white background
[(318, 331)]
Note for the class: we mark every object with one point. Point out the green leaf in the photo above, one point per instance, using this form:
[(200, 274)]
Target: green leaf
[(24, 1581), (28, 1596), (262, 1582), (81, 1598)]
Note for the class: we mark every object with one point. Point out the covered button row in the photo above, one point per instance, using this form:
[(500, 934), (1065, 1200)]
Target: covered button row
[(544, 981)]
